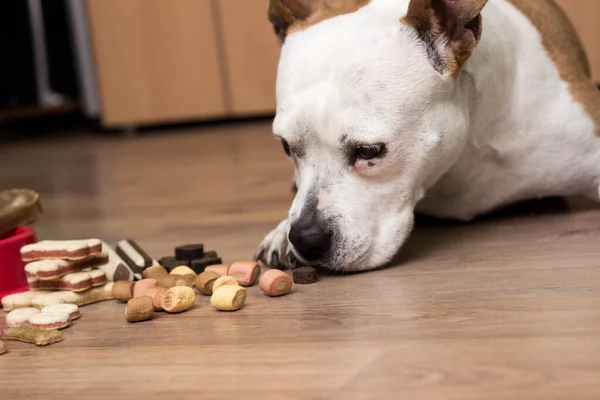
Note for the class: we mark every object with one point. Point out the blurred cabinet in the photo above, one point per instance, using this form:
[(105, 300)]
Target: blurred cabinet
[(156, 60), (585, 17)]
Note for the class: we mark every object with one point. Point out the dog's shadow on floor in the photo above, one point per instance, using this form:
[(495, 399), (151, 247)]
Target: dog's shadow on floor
[(422, 241)]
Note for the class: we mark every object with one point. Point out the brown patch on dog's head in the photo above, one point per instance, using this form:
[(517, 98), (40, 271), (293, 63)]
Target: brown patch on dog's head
[(288, 16), (451, 29)]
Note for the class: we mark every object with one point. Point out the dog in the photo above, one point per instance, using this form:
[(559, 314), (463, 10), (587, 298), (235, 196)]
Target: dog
[(449, 108)]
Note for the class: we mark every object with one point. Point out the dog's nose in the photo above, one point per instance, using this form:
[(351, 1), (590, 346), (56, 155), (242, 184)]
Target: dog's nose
[(311, 241)]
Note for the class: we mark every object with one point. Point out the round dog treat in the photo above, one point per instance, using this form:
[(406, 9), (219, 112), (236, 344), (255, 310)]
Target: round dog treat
[(3, 347), (50, 320), (145, 287), (72, 309), (123, 290), (178, 299), (182, 270), (245, 272), (205, 281), (228, 298), (275, 282), (139, 309), (189, 251), (224, 280), (177, 280), (156, 296), (221, 269), (304, 275), (20, 316), (155, 272)]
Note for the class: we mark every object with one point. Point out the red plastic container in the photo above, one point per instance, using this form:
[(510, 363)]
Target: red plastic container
[(12, 268)]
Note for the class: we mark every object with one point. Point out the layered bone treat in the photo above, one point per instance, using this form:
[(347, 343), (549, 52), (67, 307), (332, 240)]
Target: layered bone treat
[(62, 249), (75, 282), (53, 269)]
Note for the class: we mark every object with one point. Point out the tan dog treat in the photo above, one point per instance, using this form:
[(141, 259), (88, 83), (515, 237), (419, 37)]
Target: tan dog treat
[(275, 282), (157, 296), (54, 269), (28, 334), (228, 298), (20, 316), (205, 281), (139, 309), (47, 321), (156, 272), (177, 280), (183, 270), (224, 280), (123, 290), (71, 309), (145, 287), (61, 249), (17, 300), (178, 299), (221, 269), (245, 272), (3, 348)]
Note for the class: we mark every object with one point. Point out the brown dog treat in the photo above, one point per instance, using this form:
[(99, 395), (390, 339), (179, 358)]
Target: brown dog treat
[(123, 290), (304, 275), (183, 270), (210, 258), (205, 281), (178, 299), (245, 272), (157, 296), (145, 287), (156, 272), (28, 334), (170, 281), (224, 280), (139, 309), (3, 347), (275, 282), (61, 249), (221, 269), (169, 262), (228, 298), (54, 269)]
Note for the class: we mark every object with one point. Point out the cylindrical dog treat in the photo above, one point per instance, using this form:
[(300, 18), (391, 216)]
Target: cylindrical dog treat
[(155, 272), (123, 290), (224, 280), (139, 309), (145, 287), (20, 316), (3, 347), (182, 270), (189, 251), (156, 296), (170, 281), (178, 299), (304, 275), (275, 282), (245, 272), (228, 298), (221, 269), (205, 281)]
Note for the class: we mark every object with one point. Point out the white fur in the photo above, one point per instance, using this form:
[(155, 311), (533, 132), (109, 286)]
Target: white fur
[(505, 129)]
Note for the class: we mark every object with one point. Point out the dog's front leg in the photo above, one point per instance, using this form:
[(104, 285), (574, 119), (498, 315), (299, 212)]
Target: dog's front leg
[(275, 250)]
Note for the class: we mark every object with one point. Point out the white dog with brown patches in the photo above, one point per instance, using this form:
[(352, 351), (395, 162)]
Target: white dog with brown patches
[(451, 108)]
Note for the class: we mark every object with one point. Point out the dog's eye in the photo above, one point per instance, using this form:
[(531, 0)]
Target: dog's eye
[(369, 152), (286, 147)]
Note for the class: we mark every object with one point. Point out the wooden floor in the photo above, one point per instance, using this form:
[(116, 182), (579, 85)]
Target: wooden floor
[(507, 307)]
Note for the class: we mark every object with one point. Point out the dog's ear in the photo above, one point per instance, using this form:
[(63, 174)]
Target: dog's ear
[(284, 13), (451, 29)]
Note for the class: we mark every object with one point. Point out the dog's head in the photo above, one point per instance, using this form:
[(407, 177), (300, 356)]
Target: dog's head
[(371, 110)]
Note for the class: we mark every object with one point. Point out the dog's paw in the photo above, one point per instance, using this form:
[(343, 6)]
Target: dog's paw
[(275, 251)]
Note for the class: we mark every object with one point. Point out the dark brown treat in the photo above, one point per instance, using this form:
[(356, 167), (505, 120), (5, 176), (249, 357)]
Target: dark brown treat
[(199, 265), (205, 280), (171, 262), (156, 272), (139, 309), (189, 251), (210, 254), (304, 275), (123, 290)]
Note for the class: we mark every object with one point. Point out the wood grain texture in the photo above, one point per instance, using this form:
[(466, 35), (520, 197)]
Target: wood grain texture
[(156, 60), (251, 54), (506, 307)]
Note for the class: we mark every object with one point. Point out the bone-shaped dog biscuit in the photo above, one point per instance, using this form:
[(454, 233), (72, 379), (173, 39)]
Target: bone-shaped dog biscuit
[(44, 298), (53, 269), (50, 320), (75, 282), (28, 334), (62, 249), (20, 316)]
